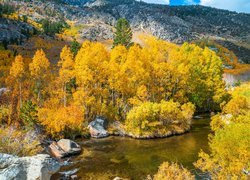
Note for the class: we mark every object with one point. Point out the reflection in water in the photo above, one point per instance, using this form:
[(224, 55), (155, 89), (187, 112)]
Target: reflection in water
[(135, 159)]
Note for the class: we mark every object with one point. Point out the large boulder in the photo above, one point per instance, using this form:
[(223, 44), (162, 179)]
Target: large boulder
[(55, 150), (40, 167), (63, 148), (69, 146), (97, 128)]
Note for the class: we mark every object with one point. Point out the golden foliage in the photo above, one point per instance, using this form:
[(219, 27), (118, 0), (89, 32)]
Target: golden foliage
[(63, 121), (17, 68), (39, 71), (18, 142), (6, 58), (236, 110), (39, 66), (173, 171), (228, 57), (229, 146), (158, 118), (230, 155), (124, 78), (66, 65)]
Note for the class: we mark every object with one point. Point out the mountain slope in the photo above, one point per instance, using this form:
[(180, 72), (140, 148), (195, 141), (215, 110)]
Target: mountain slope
[(173, 23)]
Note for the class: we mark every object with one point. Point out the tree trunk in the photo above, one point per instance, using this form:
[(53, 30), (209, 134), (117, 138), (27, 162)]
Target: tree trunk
[(20, 94), (64, 95), (38, 97)]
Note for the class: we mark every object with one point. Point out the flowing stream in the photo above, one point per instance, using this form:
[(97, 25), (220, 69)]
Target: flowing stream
[(136, 159)]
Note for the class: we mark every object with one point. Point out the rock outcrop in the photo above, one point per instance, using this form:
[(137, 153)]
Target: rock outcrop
[(12, 31), (36, 167), (97, 128), (63, 148)]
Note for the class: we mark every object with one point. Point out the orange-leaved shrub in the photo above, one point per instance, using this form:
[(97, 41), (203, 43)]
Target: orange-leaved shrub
[(63, 121)]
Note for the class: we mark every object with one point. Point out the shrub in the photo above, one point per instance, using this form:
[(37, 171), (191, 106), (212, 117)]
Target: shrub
[(230, 154), (51, 28), (237, 110), (18, 142), (4, 114), (172, 171), (7, 9), (28, 114), (158, 118), (62, 122)]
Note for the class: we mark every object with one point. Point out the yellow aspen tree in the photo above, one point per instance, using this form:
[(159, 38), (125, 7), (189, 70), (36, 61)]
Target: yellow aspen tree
[(91, 69), (17, 72), (39, 71), (66, 71)]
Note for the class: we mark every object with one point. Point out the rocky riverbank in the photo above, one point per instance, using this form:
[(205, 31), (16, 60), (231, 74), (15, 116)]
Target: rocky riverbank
[(41, 166), (99, 128)]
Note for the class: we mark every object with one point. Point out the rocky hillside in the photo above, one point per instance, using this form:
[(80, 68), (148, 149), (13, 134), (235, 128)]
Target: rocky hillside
[(173, 23), (12, 31)]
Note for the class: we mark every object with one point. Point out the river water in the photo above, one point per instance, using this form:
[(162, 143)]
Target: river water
[(135, 159)]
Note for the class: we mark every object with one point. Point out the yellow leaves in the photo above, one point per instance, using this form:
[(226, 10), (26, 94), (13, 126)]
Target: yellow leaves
[(173, 171), (230, 143), (142, 93), (230, 153), (17, 69), (66, 65), (188, 110), (151, 117), (118, 54), (160, 70), (62, 121), (90, 64), (19, 142), (238, 105), (40, 65)]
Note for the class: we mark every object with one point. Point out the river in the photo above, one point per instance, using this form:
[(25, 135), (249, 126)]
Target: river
[(135, 159)]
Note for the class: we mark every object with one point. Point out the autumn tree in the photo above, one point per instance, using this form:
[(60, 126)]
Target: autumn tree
[(123, 34), (6, 59), (39, 71), (205, 87), (91, 73), (17, 72), (66, 73), (229, 156), (63, 121), (229, 153)]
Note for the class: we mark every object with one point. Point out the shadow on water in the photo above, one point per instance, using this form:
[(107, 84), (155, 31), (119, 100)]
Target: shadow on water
[(135, 159)]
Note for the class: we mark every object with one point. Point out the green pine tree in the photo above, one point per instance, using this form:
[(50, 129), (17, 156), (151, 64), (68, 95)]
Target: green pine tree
[(75, 46), (123, 34)]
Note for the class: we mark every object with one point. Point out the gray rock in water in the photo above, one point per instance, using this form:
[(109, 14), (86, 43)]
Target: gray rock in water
[(40, 167), (97, 128)]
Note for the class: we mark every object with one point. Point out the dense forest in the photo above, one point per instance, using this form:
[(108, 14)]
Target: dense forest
[(153, 89)]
